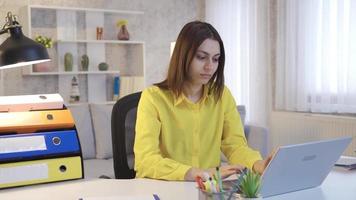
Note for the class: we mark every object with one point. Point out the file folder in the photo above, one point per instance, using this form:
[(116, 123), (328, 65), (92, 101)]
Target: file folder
[(30, 102), (20, 147), (33, 121), (40, 171)]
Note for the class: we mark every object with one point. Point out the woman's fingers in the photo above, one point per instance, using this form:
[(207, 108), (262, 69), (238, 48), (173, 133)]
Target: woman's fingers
[(229, 170), (225, 171), (260, 165)]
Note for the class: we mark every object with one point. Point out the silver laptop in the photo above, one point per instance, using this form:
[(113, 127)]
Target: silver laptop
[(301, 166)]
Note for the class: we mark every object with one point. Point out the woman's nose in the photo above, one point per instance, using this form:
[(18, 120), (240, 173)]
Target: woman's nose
[(208, 65)]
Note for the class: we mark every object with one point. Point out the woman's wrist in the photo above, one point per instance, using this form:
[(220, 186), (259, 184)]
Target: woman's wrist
[(191, 174)]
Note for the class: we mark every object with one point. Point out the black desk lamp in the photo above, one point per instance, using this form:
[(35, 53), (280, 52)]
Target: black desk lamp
[(19, 50)]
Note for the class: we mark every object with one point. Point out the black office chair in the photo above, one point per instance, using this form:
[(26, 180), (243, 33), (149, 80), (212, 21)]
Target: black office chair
[(123, 120)]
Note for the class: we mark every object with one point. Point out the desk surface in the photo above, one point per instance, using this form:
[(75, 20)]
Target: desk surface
[(340, 184)]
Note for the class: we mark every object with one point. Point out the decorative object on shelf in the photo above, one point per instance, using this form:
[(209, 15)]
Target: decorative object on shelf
[(45, 41), (85, 62), (123, 32), (74, 92), (250, 185), (19, 50), (99, 33), (68, 62), (42, 67), (116, 88), (103, 66)]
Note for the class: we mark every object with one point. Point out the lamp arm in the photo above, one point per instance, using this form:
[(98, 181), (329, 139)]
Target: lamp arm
[(11, 22), (2, 31)]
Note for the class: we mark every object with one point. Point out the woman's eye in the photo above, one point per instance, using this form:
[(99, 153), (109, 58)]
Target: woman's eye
[(216, 59), (200, 57)]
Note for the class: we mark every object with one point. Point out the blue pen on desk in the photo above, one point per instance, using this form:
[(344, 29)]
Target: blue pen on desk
[(155, 196)]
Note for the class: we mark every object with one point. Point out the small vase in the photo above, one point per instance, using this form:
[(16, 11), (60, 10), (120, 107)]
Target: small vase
[(85, 62), (68, 62), (123, 33), (103, 66)]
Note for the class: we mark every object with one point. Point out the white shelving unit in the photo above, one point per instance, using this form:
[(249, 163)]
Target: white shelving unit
[(73, 30), (101, 41), (132, 12)]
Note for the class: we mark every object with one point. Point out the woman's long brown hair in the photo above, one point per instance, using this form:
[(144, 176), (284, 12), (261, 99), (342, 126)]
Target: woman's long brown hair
[(189, 39)]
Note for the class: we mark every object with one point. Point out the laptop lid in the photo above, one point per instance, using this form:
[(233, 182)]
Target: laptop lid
[(301, 166)]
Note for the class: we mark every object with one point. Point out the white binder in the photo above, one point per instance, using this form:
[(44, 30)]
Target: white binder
[(30, 102)]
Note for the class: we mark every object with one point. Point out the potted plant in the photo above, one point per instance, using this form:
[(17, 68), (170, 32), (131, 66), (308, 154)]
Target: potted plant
[(250, 186), (46, 42)]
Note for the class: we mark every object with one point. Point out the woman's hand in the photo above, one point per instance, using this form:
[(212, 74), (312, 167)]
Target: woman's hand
[(260, 165), (228, 170), (225, 171)]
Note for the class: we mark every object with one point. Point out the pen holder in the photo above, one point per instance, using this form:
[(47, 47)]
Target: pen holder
[(204, 195)]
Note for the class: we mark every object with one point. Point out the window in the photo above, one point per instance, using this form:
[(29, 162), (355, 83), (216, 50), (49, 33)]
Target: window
[(316, 56)]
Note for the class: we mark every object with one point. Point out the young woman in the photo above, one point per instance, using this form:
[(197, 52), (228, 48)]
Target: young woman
[(184, 122)]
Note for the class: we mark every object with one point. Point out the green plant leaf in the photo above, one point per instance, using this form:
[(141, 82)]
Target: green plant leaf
[(250, 184)]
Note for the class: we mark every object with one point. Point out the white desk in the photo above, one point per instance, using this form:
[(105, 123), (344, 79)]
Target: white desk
[(340, 184)]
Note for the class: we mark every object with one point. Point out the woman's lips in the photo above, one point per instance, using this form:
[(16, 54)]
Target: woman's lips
[(206, 76)]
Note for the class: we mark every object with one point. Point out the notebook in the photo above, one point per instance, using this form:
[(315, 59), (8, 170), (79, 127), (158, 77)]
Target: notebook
[(346, 162)]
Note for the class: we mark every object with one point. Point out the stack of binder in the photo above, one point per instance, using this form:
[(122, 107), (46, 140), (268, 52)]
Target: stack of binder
[(38, 141)]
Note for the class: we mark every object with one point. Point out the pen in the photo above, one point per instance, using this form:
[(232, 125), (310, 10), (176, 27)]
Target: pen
[(242, 174), (207, 186), (155, 196), (213, 187), (215, 181), (219, 179)]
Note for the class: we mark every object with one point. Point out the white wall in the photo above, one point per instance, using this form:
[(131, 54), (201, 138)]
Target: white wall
[(161, 23)]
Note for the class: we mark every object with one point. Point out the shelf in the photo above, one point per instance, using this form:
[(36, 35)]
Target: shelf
[(102, 41), (74, 31), (86, 103), (132, 12), (75, 72)]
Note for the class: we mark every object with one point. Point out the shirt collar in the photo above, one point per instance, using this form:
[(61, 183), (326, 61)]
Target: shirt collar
[(178, 100)]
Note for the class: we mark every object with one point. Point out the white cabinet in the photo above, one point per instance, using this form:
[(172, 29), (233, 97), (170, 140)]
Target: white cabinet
[(74, 31)]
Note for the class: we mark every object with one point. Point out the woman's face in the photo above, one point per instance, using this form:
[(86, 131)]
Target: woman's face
[(204, 63)]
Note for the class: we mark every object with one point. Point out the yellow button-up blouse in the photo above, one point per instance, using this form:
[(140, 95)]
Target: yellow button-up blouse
[(175, 134)]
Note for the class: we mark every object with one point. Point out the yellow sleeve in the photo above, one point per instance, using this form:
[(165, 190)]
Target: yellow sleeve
[(148, 158), (234, 144)]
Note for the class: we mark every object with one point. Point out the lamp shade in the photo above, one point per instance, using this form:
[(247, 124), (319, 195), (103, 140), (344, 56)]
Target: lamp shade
[(19, 50)]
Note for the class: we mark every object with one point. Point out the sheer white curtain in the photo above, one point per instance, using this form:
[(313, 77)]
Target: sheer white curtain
[(242, 25), (316, 56)]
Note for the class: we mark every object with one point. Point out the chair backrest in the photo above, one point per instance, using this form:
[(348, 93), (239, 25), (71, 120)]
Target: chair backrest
[(123, 120)]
